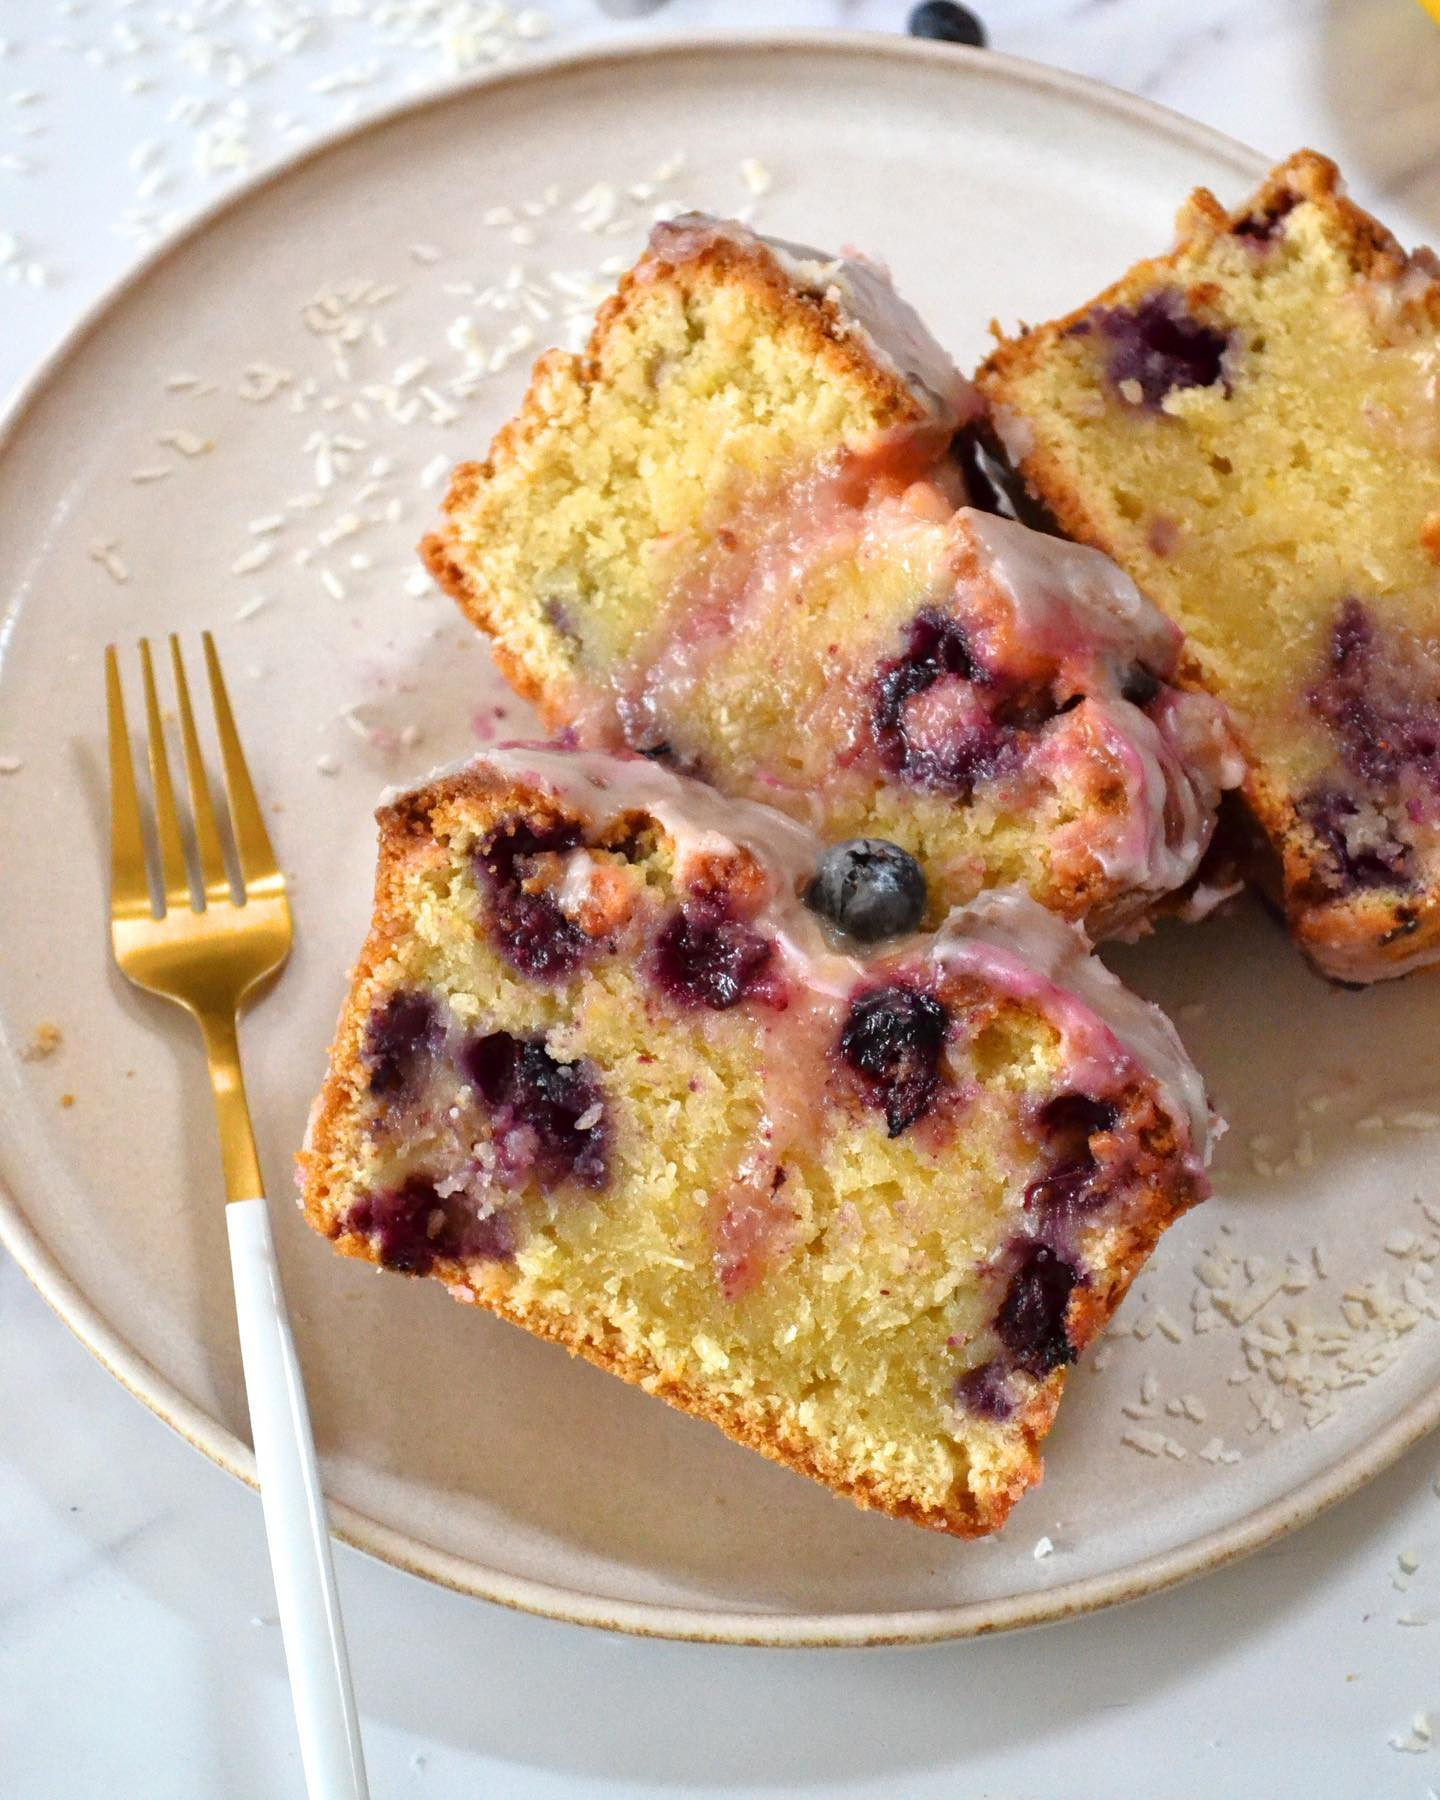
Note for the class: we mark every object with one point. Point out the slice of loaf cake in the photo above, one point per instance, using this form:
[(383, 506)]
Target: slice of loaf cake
[(603, 1071), (727, 535), (1249, 425)]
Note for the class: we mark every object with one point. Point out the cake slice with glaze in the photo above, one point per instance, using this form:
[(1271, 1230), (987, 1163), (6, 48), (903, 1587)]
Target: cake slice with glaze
[(1249, 426), (728, 536), (605, 1072)]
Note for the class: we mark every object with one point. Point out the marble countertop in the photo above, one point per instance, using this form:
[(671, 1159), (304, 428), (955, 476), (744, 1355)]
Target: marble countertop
[(139, 1654)]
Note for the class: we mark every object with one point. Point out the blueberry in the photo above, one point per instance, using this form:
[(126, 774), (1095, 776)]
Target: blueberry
[(537, 1105), (1141, 686), (1379, 704), (1031, 1322), (401, 1034), (948, 23), (870, 888), (893, 1039), (531, 932), (1161, 346), (704, 957), (988, 1391), (410, 1226), (971, 733), (1357, 858)]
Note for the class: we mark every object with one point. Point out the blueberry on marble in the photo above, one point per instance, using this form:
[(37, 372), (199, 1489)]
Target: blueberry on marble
[(870, 888), (947, 23)]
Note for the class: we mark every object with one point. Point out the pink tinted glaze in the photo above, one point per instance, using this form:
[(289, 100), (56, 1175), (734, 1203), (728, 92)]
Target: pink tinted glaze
[(1110, 1034), (849, 506), (1003, 937)]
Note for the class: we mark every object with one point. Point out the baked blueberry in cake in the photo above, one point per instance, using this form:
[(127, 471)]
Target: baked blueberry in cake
[(612, 1066), (1248, 425), (728, 536)]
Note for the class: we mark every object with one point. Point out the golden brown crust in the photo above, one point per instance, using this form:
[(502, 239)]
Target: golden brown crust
[(1361, 938)]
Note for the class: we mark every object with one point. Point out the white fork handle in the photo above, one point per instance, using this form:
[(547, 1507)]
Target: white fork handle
[(295, 1520)]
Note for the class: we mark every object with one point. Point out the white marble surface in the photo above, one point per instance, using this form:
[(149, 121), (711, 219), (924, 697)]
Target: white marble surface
[(138, 1653)]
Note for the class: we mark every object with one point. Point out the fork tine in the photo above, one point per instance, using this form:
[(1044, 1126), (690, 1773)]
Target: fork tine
[(213, 872), (129, 877), (173, 873), (258, 866)]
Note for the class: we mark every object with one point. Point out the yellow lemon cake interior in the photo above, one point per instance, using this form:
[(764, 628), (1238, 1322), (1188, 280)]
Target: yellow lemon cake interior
[(728, 536)]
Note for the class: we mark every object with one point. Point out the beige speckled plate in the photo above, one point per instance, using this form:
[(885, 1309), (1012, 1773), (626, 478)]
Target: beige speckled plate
[(305, 443)]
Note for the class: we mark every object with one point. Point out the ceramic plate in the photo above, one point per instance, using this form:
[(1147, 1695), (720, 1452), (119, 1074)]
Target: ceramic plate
[(249, 435)]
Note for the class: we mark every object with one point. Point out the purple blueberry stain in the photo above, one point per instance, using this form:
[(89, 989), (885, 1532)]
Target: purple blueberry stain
[(1360, 845), (893, 1040), (1265, 224), (939, 718), (705, 957), (1160, 346), (533, 933), (402, 1035), (1071, 1182), (1031, 1322), (548, 1118), (1382, 710), (988, 1391), (413, 1225)]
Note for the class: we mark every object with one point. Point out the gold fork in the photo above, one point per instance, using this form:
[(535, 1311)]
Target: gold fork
[(207, 948)]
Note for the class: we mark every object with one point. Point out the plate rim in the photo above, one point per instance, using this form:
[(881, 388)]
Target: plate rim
[(192, 1422)]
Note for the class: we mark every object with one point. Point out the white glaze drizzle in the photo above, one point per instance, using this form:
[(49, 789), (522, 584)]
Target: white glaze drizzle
[(1065, 595), (1078, 605), (889, 327), (1012, 941)]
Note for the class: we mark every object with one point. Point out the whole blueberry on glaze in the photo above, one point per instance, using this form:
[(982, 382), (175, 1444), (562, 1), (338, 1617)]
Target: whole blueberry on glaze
[(705, 957), (988, 1391), (1161, 346), (1031, 1322), (548, 1117), (1381, 707), (532, 933), (402, 1034), (412, 1226), (870, 888), (893, 1039), (947, 23)]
